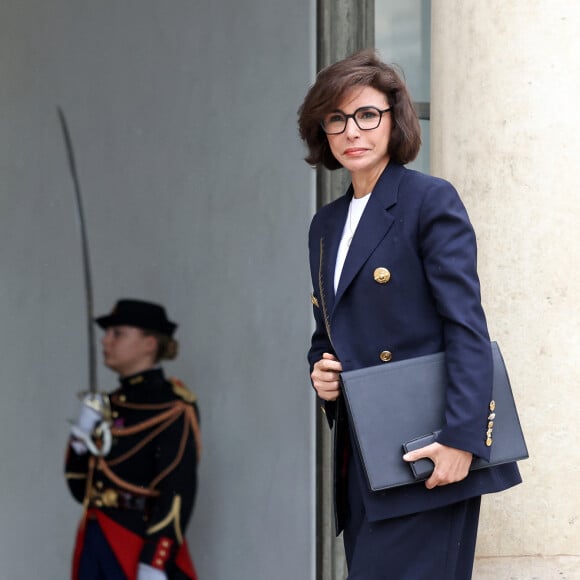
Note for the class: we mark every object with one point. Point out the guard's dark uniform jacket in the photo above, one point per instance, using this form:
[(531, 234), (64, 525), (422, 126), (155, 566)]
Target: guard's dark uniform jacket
[(142, 493)]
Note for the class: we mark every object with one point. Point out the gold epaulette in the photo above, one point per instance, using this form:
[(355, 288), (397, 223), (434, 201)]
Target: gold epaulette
[(182, 391)]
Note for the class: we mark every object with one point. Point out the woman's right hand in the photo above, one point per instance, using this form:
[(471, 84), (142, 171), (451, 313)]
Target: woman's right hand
[(325, 377)]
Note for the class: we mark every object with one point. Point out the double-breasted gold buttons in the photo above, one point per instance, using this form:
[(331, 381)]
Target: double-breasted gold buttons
[(381, 275), (386, 356), (490, 421)]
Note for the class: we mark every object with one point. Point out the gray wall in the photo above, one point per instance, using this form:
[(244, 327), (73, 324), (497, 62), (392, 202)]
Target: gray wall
[(183, 116)]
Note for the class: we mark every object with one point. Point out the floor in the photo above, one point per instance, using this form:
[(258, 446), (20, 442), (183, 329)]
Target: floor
[(527, 568)]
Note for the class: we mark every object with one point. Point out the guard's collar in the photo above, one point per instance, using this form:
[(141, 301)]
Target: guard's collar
[(148, 376)]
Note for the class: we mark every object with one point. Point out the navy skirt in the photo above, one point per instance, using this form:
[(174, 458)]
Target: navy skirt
[(437, 544)]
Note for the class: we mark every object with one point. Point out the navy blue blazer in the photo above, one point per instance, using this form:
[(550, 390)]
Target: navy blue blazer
[(416, 227)]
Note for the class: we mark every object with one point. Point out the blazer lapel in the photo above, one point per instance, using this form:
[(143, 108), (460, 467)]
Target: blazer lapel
[(373, 227), (328, 250)]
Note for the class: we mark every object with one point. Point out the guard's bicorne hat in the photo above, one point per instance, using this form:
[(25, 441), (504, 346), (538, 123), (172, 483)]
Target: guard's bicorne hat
[(138, 313)]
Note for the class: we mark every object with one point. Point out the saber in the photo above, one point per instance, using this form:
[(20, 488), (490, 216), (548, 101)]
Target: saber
[(97, 401), (85, 251)]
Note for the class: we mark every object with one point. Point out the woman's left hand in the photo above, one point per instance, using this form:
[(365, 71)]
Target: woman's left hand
[(451, 465)]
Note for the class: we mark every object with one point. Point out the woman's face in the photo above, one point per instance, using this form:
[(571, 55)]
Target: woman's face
[(356, 149), (126, 350)]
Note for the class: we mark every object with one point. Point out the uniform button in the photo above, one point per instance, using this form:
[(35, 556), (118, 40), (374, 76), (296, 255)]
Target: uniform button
[(98, 503), (159, 562), (386, 356), (99, 484), (115, 414), (122, 398), (381, 275)]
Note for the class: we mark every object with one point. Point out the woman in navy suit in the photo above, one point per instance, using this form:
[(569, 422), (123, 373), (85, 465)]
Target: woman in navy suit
[(394, 274)]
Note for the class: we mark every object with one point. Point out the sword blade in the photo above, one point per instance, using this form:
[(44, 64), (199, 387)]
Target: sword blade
[(92, 349)]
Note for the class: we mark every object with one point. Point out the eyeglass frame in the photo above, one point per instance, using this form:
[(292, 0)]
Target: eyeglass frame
[(353, 117)]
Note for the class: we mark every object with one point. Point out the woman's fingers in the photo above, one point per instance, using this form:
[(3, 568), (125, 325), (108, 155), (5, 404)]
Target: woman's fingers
[(451, 465), (326, 377)]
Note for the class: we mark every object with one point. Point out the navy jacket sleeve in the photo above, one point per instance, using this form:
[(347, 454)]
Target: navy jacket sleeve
[(176, 482), (449, 254)]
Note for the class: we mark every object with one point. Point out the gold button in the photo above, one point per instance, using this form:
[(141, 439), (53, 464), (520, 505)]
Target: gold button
[(99, 485), (98, 503), (122, 398), (386, 356), (488, 441), (110, 498), (381, 275), (159, 562), (492, 405), (115, 414)]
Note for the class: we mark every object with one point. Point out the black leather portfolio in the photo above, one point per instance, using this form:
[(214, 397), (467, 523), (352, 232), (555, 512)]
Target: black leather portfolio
[(401, 406)]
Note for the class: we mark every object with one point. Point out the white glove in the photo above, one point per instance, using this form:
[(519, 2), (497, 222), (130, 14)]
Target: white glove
[(146, 572), (91, 415)]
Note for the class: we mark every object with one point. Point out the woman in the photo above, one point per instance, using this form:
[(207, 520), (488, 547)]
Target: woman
[(133, 456), (393, 266)]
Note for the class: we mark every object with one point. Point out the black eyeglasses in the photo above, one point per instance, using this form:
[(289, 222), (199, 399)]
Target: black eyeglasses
[(366, 119)]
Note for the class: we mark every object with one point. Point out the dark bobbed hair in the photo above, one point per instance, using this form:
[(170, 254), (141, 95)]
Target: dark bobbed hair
[(362, 69)]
